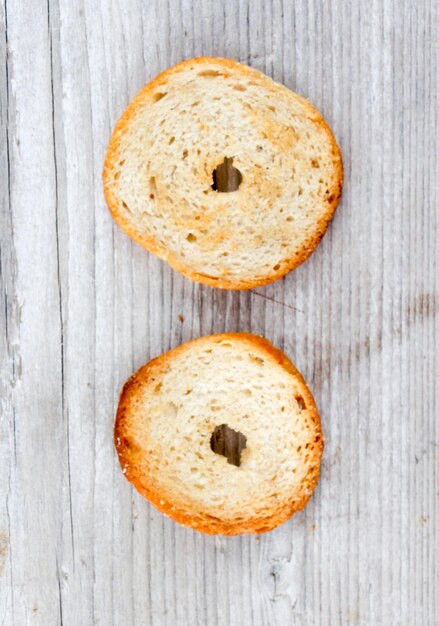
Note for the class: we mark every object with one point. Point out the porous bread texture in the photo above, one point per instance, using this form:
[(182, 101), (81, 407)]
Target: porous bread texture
[(169, 409), (159, 167)]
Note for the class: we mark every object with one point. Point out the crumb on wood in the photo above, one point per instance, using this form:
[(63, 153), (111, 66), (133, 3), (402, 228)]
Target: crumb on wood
[(181, 318)]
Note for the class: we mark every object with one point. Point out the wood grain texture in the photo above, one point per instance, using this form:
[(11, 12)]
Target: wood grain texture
[(82, 307)]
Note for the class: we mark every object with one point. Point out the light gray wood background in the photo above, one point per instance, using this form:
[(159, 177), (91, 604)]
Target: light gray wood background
[(82, 307)]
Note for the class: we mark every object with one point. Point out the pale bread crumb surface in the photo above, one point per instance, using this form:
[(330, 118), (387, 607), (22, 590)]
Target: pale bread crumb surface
[(170, 408), (159, 173)]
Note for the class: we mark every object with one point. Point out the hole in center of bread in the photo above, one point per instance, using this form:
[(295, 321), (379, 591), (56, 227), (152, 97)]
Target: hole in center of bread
[(229, 443), (226, 177)]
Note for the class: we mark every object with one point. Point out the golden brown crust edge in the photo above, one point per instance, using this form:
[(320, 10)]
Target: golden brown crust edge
[(152, 245), (206, 523)]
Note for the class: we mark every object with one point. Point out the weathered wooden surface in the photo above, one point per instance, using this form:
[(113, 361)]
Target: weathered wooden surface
[(81, 307)]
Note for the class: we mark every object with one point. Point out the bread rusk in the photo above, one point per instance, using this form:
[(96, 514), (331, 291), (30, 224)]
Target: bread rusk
[(206, 126), (178, 412)]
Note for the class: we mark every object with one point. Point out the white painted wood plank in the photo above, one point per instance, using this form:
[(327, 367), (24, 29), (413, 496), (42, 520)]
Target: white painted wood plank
[(33, 318), (81, 307), (8, 342)]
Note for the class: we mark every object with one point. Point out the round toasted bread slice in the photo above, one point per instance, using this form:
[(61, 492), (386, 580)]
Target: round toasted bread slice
[(230, 177), (221, 434)]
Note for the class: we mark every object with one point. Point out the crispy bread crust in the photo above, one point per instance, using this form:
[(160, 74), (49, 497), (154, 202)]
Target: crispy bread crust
[(204, 522), (153, 246)]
